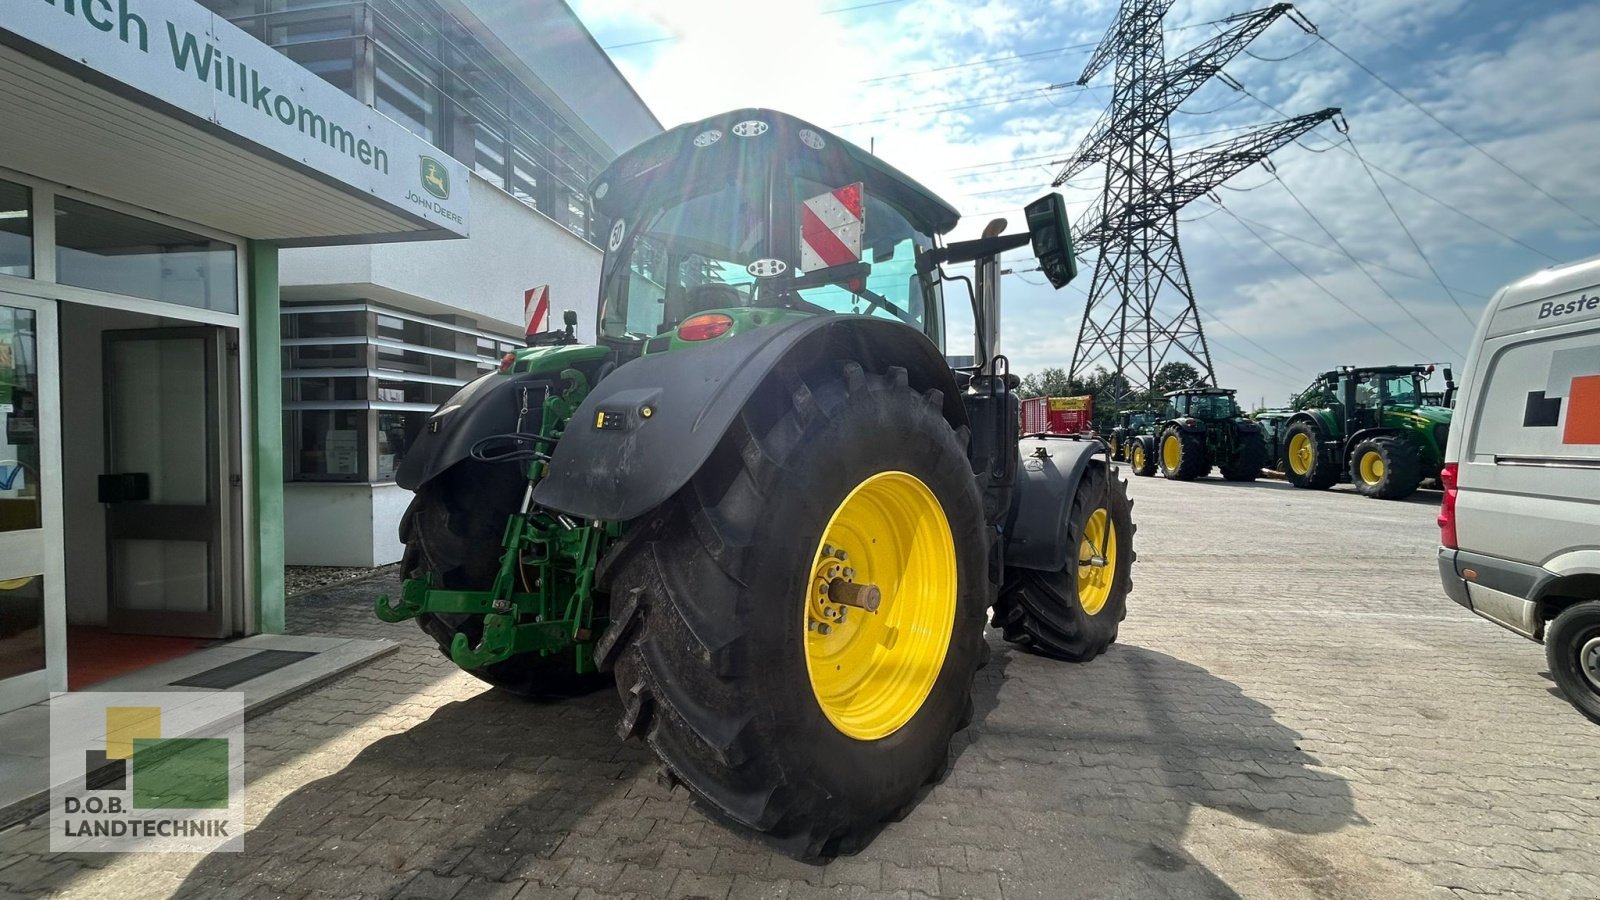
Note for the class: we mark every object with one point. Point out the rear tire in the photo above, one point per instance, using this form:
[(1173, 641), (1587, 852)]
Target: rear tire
[(1303, 462), (453, 530), (1141, 457), (1049, 613), (716, 657), (1249, 459), (1183, 455), (1386, 467), (1572, 648)]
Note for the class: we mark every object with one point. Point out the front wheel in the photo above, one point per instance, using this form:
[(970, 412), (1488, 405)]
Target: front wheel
[(1142, 460), (802, 627), (1386, 467), (1073, 614), (1572, 648), (1304, 464)]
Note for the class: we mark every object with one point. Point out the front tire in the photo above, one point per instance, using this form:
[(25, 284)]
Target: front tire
[(813, 736), (1572, 648), (1141, 458), (1303, 462), (1386, 468), (1073, 614), (1183, 455)]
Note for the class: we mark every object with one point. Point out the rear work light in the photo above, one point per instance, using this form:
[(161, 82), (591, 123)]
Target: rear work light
[(704, 327), (1447, 507)]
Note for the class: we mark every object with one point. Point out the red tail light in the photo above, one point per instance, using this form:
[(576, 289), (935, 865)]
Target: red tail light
[(704, 327), (507, 361), (1447, 507)]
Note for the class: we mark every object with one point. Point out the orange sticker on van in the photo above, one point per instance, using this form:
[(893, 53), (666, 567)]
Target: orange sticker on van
[(1583, 411)]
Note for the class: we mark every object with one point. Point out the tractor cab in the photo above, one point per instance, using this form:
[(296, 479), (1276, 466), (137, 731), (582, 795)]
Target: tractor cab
[(1205, 404), (754, 217)]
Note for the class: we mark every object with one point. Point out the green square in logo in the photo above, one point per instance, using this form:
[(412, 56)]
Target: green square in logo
[(435, 178), (180, 773)]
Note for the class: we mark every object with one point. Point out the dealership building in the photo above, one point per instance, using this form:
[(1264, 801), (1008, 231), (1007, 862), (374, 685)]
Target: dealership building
[(245, 247)]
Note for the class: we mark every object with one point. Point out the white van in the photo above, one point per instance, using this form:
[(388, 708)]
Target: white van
[(1520, 521)]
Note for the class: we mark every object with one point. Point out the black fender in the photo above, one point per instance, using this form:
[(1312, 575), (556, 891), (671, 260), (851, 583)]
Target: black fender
[(1363, 434), (1192, 426), (1246, 426), (1036, 529), (645, 430), (486, 406)]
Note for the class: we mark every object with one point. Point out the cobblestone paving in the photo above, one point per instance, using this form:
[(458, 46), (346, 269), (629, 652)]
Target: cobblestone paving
[(1294, 711)]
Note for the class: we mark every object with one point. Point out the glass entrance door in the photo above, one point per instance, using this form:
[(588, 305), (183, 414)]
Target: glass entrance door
[(33, 657), (162, 486)]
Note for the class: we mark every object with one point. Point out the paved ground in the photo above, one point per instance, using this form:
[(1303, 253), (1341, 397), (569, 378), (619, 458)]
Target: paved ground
[(1294, 711)]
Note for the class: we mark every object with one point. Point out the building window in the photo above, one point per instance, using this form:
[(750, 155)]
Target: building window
[(16, 230), (378, 372), (109, 251)]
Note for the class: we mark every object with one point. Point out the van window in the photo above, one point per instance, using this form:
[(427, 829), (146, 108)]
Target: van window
[(1541, 398)]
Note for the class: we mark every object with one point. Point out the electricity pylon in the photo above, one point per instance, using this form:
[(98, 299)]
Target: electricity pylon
[(1136, 227)]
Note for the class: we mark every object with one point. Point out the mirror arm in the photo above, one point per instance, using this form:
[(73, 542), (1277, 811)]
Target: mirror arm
[(967, 251)]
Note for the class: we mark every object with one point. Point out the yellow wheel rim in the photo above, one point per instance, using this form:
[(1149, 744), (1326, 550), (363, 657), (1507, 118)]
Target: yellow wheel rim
[(1171, 451), (1301, 453), (872, 670), (1094, 582), (1372, 467), (1138, 456)]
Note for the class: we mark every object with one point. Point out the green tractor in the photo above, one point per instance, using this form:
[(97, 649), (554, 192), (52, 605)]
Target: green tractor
[(1130, 424), (1202, 429), (1375, 425), (763, 501)]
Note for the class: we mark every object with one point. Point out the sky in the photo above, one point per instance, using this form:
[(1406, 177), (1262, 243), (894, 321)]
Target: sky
[(977, 99)]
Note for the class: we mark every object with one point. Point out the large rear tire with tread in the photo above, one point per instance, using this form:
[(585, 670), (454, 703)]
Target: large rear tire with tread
[(1303, 462), (453, 530), (1183, 455), (1572, 648), (1249, 459), (722, 668), (1073, 614), (1386, 467)]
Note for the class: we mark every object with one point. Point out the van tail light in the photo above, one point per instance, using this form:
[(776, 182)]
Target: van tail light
[(704, 327), (1447, 507)]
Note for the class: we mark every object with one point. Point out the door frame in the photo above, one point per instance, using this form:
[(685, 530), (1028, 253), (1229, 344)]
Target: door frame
[(33, 687), (222, 620)]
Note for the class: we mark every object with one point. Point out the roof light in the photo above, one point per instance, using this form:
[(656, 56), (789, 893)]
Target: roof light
[(704, 327)]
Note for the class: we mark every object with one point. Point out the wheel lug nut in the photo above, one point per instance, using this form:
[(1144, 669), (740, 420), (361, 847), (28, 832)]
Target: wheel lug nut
[(824, 628), (828, 550)]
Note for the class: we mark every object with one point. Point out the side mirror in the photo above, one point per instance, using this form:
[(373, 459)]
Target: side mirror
[(1052, 239)]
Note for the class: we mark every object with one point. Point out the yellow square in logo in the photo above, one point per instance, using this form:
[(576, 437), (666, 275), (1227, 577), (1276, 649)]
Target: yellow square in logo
[(126, 724)]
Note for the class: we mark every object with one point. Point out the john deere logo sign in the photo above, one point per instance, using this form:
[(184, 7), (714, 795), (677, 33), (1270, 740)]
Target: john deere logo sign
[(435, 178)]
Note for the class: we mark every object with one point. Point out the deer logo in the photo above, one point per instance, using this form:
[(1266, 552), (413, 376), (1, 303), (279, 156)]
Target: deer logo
[(435, 178)]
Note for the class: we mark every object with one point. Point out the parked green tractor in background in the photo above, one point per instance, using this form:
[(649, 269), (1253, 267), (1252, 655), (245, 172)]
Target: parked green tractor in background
[(1201, 429), (1130, 423), (1374, 425), (764, 501)]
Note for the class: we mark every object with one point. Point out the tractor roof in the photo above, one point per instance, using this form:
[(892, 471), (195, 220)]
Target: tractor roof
[(680, 152), (1201, 390), (1377, 370)]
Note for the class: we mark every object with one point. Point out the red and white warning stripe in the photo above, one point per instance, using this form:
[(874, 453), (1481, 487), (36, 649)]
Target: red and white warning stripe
[(536, 308), (830, 229)]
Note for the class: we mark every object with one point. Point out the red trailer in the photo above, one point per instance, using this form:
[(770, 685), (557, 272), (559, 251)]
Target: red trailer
[(1057, 415)]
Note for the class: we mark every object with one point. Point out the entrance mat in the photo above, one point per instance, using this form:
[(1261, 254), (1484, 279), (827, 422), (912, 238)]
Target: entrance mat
[(239, 671)]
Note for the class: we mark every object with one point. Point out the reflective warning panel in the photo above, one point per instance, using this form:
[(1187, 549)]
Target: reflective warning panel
[(830, 228)]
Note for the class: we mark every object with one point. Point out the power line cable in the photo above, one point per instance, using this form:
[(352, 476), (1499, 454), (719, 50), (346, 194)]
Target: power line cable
[(992, 60), (1251, 342), (1409, 236), (1362, 266), (824, 12), (1450, 128), (943, 106), (1418, 354)]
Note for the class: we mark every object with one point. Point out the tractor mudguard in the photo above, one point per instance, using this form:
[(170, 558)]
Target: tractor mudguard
[(486, 406), (1036, 529), (645, 430)]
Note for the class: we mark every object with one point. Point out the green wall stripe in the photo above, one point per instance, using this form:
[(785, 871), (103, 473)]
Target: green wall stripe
[(267, 429)]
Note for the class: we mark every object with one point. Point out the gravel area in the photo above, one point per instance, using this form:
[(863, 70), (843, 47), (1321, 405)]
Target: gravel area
[(303, 579)]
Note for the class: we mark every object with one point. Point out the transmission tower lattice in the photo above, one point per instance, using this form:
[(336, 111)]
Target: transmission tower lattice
[(1135, 225)]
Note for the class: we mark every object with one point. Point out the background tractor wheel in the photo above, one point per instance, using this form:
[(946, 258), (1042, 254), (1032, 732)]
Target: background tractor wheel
[(1572, 647), (1073, 614), (1183, 455), (1115, 446), (730, 653), (1142, 457), (1249, 460), (453, 530), (1303, 464), (1386, 467)]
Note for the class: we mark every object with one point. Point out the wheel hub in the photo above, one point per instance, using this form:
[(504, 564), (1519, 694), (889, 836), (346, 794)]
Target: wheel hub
[(1589, 661), (1096, 569), (880, 605), (1301, 454)]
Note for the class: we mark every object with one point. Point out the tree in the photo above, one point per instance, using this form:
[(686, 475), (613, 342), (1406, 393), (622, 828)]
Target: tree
[(1051, 381), (1174, 376)]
